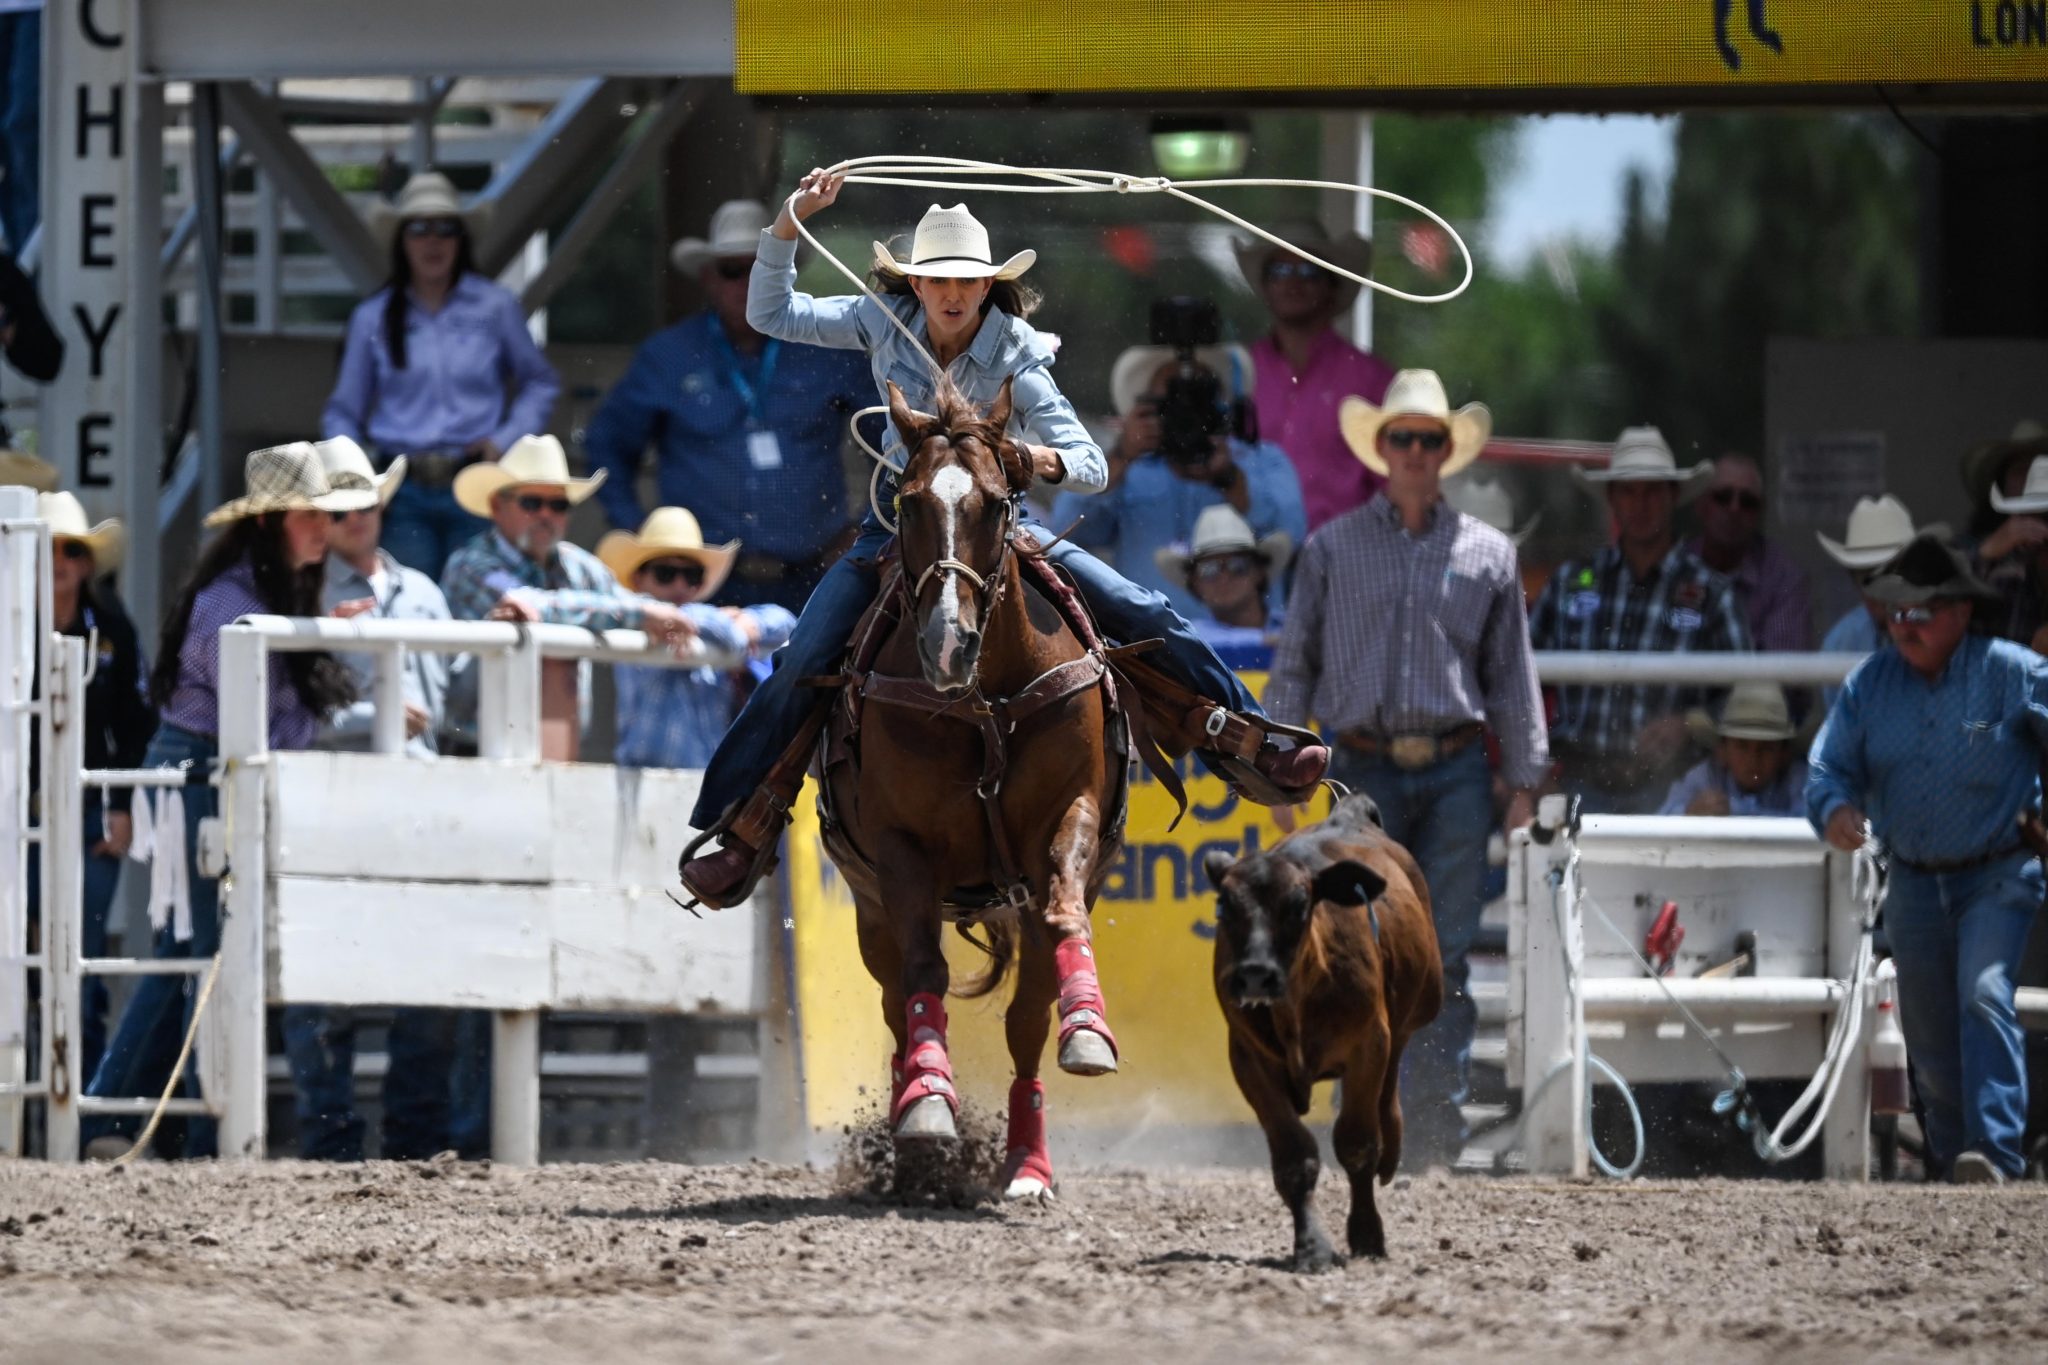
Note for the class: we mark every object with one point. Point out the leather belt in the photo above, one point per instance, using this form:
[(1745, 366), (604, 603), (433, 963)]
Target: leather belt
[(1412, 751), (428, 468), (1936, 869)]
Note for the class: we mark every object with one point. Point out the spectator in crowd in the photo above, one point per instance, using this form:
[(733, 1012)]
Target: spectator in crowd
[(746, 429), (1489, 500), (21, 119), (1621, 747), (118, 724), (426, 368), (674, 717), (1154, 496), (1771, 588), (1878, 529), (267, 558), (18, 469), (1231, 570), (2000, 463), (1305, 368), (1938, 742), (31, 344), (2014, 559), (1753, 770), (1406, 690)]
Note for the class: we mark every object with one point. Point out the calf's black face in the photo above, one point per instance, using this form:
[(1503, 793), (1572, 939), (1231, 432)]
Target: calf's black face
[(1263, 907)]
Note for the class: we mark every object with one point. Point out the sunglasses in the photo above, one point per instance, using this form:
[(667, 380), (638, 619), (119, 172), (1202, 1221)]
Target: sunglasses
[(668, 573), (734, 270), (1294, 270), (338, 517), (1737, 497), (433, 227), (535, 503), (74, 549), (1223, 565), (1402, 438), (1911, 616)]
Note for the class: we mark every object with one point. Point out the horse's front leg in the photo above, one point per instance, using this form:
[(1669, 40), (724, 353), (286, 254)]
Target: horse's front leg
[(925, 1103), (1087, 1047)]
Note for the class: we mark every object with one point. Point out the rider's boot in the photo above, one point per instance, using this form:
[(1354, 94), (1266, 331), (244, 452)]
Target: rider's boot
[(1247, 749), (749, 834)]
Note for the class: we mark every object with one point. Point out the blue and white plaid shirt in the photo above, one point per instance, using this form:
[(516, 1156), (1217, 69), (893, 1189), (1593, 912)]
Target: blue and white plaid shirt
[(674, 717), (573, 588)]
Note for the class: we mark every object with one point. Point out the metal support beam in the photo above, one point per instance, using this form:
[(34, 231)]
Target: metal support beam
[(206, 199), (532, 189), (142, 583), (280, 156), (187, 227)]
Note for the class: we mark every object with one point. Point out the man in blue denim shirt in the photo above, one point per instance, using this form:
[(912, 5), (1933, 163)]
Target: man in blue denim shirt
[(1938, 743), (747, 429)]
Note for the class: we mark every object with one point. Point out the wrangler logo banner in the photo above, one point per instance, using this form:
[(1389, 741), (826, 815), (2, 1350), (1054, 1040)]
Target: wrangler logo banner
[(984, 45)]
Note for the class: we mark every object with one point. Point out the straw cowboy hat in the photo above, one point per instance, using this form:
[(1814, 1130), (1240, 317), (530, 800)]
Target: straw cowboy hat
[(1133, 371), (1642, 455), (532, 459), (427, 195), (22, 470), (348, 467), (1756, 710), (952, 244), (1928, 570), (1878, 529), (735, 231), (1984, 463), (288, 478), (1351, 251), (2033, 497), (668, 533), (1222, 530), (1488, 501), (1414, 393), (66, 517)]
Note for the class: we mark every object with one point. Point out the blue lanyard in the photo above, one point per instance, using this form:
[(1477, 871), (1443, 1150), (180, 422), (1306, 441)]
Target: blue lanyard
[(756, 399)]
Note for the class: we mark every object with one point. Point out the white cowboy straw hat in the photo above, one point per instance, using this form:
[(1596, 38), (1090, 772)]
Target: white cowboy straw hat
[(1222, 530), (1878, 529), (532, 459), (1489, 501), (66, 517), (2033, 497), (1414, 393), (1642, 455), (1985, 461), (288, 478), (19, 469), (952, 244), (1133, 371), (735, 231), (1351, 251), (429, 194), (348, 467), (668, 532), (1756, 710)]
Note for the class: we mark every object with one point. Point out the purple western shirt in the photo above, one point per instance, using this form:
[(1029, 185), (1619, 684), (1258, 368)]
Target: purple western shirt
[(1298, 413), (194, 703), (1773, 593)]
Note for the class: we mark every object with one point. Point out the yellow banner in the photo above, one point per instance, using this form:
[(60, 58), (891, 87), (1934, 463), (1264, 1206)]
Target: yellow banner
[(1155, 929), (983, 46)]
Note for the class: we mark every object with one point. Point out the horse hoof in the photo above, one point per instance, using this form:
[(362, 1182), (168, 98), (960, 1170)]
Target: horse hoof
[(1028, 1188), (1085, 1052), (930, 1119)]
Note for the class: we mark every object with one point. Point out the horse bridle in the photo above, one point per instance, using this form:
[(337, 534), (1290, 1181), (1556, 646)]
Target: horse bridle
[(988, 589)]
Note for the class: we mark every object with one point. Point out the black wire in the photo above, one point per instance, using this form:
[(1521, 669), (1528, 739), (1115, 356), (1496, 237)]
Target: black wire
[(1908, 124)]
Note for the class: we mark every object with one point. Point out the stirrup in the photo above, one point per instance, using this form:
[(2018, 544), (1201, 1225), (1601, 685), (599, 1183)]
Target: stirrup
[(766, 860)]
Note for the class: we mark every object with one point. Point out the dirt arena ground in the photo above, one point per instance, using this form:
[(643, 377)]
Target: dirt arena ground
[(446, 1263)]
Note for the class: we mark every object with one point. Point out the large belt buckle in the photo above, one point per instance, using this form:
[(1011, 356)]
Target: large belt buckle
[(1412, 751)]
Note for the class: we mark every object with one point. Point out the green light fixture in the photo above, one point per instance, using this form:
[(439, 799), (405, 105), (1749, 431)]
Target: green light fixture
[(1200, 146)]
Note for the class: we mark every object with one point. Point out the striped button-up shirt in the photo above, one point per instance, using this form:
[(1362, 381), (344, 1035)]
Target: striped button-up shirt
[(1403, 634), (1599, 604), (573, 588), (194, 703)]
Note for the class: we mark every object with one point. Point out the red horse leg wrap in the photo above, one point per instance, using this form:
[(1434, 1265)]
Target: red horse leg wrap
[(927, 1070), (1080, 992), (1027, 1157)]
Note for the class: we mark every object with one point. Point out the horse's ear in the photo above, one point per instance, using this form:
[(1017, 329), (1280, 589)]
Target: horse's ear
[(999, 411), (910, 423), (1016, 462)]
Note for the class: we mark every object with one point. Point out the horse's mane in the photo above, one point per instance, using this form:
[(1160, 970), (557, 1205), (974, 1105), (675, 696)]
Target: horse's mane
[(957, 417)]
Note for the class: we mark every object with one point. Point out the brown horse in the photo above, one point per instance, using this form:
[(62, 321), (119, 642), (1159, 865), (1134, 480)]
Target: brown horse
[(972, 775)]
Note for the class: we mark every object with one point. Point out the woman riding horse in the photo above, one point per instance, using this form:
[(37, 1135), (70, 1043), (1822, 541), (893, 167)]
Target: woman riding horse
[(969, 312)]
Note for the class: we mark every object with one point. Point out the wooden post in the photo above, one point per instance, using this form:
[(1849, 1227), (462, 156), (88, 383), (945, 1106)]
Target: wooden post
[(509, 728), (234, 1037)]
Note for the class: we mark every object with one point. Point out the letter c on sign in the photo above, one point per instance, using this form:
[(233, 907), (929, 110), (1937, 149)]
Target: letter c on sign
[(94, 34)]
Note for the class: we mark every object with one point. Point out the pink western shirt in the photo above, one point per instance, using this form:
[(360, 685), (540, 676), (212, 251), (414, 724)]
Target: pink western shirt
[(1298, 413)]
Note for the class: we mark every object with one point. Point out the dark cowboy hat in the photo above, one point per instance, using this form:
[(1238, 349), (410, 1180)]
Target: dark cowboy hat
[(1927, 570), (1988, 459)]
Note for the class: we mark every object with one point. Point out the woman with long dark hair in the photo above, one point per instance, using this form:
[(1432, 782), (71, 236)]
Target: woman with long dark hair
[(426, 369), (268, 558)]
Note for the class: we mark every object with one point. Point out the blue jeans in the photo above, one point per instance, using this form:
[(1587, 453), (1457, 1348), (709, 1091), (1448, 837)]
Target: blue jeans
[(1441, 814), (320, 1041), (423, 526), (159, 1013), (1956, 940), (21, 125), (776, 711)]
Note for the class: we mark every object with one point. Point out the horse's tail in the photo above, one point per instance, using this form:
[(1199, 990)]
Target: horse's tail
[(1001, 948)]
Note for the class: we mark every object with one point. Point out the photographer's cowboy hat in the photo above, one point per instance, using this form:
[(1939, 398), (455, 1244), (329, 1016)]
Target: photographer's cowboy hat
[(1878, 529), (531, 460), (1133, 371), (1642, 455), (1489, 501), (1222, 530), (289, 478), (19, 469), (952, 244), (735, 231), (1414, 393), (66, 517), (1928, 570), (1987, 460), (348, 467), (2032, 498), (429, 194), (1351, 251), (668, 533)]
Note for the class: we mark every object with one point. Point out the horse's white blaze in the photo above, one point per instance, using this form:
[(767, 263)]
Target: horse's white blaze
[(950, 486)]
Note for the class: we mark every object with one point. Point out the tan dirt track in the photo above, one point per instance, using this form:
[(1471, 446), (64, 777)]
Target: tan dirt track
[(757, 1263)]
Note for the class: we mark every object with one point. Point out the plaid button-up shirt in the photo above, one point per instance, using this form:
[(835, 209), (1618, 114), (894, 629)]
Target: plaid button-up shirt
[(573, 588), (1403, 634), (1598, 604)]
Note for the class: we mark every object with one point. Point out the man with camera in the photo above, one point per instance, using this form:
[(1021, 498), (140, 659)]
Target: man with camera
[(1189, 442)]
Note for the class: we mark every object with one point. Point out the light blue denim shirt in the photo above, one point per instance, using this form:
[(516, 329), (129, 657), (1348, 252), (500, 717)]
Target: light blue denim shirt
[(408, 595), (1004, 348)]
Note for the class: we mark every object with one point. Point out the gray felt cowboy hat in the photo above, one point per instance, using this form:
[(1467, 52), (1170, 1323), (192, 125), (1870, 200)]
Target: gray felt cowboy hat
[(1642, 455), (1351, 251), (1222, 530), (735, 231), (1928, 570), (1878, 529)]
